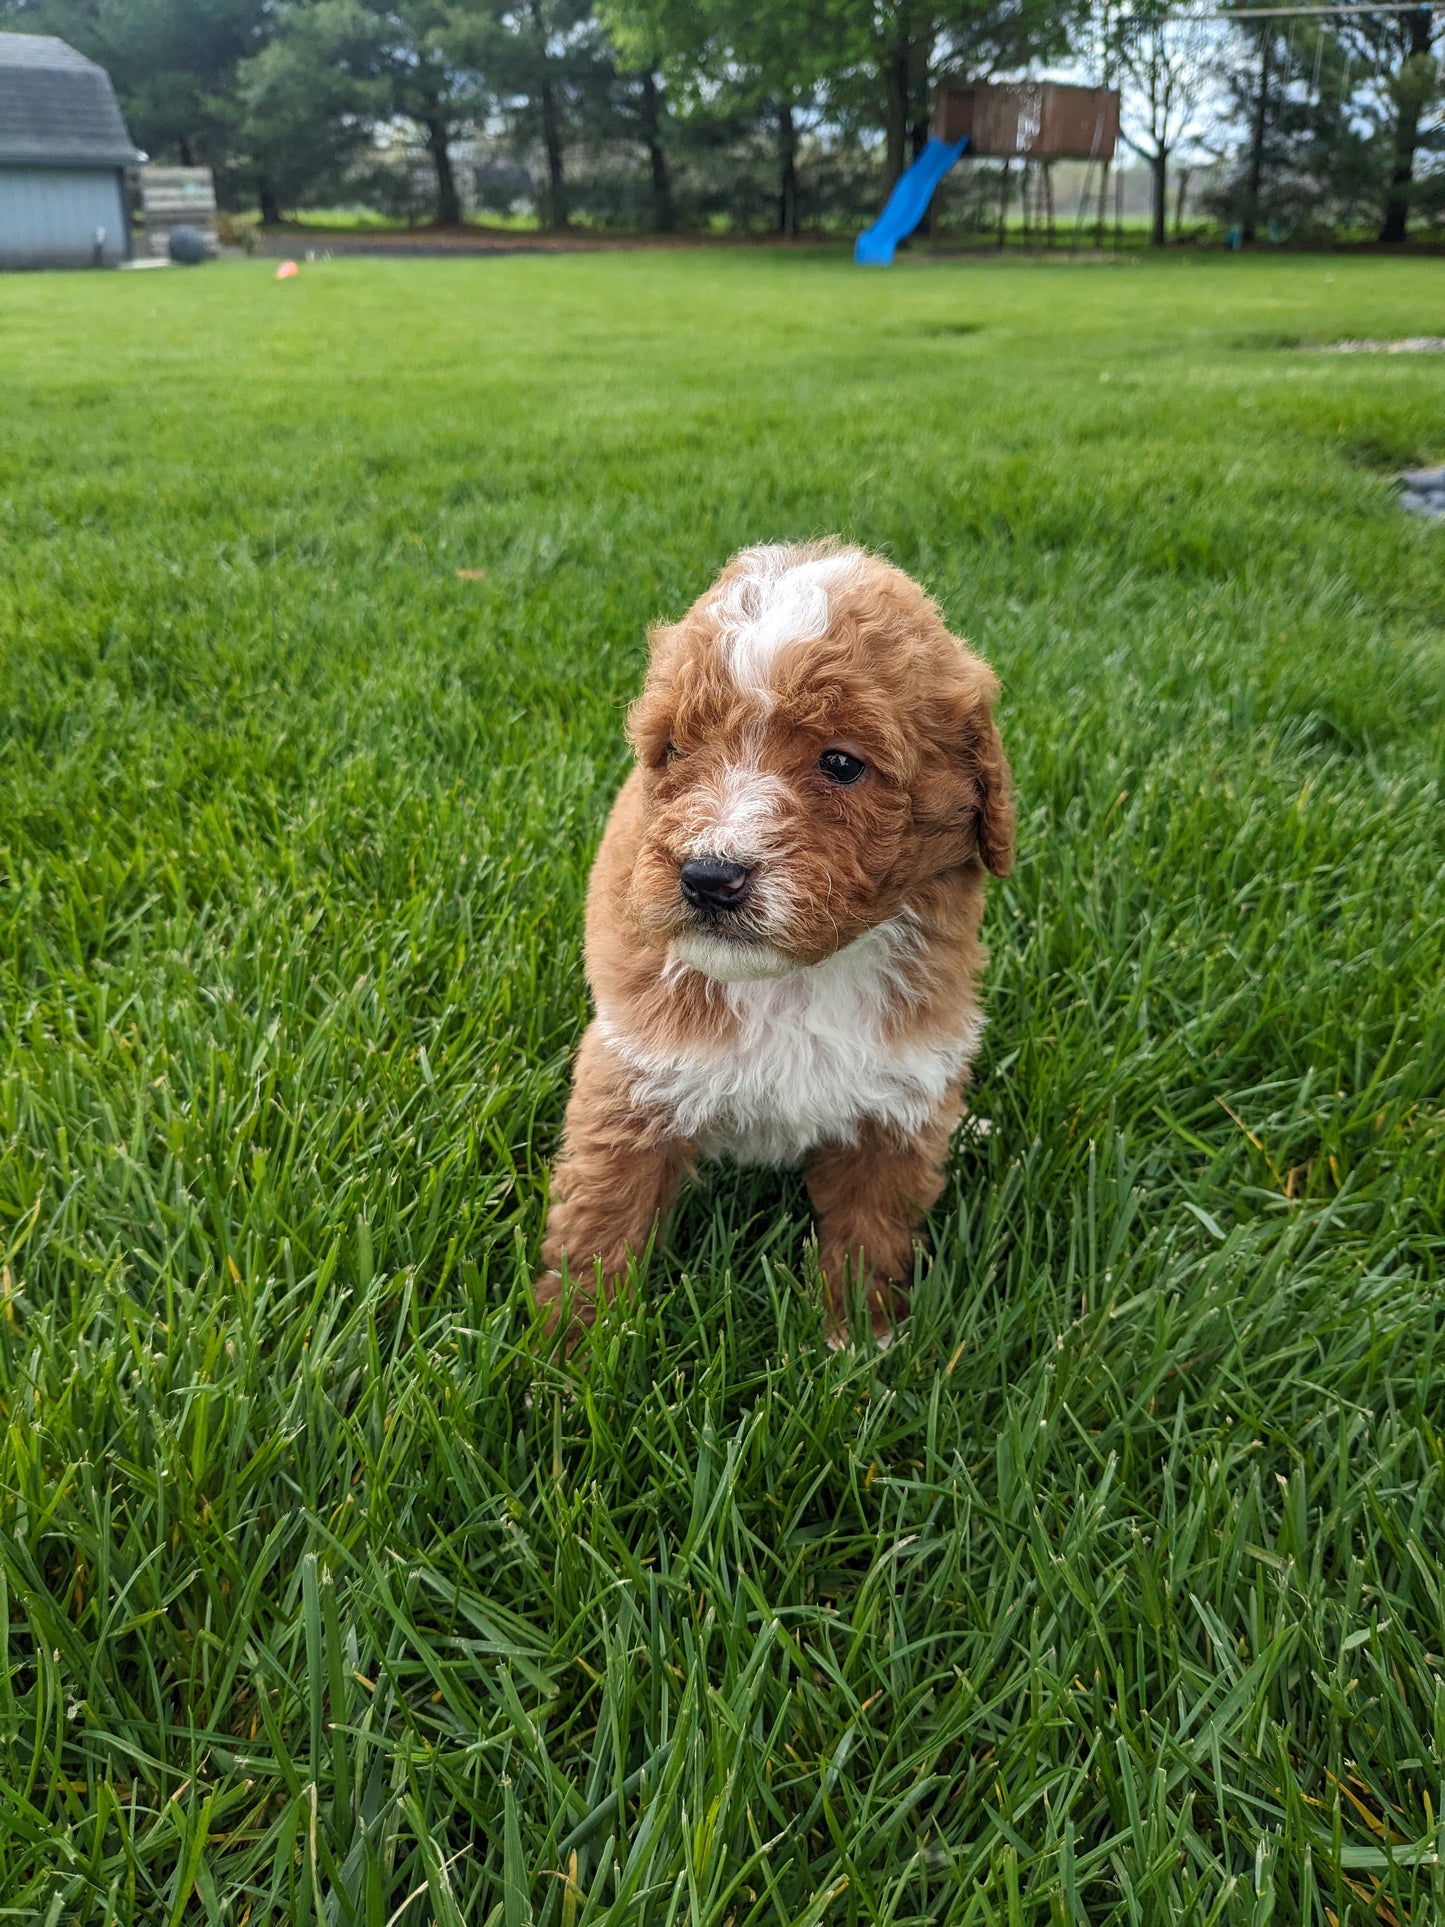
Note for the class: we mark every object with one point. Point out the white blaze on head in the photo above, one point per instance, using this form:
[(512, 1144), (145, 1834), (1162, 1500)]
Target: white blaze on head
[(776, 601)]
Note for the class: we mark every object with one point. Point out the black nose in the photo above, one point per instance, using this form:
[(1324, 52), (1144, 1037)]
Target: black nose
[(712, 885)]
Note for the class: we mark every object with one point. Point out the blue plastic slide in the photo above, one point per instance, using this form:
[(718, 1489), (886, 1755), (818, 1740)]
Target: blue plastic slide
[(907, 204)]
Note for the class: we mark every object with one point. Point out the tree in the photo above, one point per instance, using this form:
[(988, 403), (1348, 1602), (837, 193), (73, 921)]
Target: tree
[(310, 98), (177, 67), (775, 58), (1400, 72), (173, 62), (647, 36), (1414, 87), (537, 56), (431, 80), (1260, 122), (1305, 163), (1339, 112), (650, 113), (760, 64), (1167, 63)]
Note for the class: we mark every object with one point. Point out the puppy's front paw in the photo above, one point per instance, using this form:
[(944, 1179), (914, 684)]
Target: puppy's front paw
[(563, 1303), (885, 1319), (887, 1301)]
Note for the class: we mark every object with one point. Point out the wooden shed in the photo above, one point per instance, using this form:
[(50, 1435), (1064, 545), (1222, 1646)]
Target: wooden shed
[(64, 153), (172, 197)]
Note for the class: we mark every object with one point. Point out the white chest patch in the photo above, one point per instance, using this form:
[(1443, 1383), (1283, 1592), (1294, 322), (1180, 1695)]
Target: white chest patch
[(809, 1062)]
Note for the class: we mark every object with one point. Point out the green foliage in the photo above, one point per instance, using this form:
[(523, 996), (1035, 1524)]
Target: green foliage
[(1330, 105), (1112, 1592), (429, 82), (645, 32), (541, 60), (310, 98), (660, 112), (174, 64)]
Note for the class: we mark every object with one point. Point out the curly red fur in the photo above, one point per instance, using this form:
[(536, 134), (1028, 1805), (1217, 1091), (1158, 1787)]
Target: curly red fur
[(830, 1016)]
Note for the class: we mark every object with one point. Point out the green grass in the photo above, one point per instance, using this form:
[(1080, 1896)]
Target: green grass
[(1114, 1593)]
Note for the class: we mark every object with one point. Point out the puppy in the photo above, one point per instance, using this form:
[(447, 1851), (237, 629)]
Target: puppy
[(782, 921)]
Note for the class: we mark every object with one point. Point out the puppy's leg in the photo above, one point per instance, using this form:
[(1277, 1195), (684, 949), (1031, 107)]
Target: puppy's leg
[(870, 1197), (616, 1176)]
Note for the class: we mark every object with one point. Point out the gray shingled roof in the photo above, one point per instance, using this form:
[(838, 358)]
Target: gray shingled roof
[(57, 108)]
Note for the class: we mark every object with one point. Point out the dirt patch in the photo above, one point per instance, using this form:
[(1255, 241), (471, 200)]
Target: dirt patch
[(943, 330), (324, 244)]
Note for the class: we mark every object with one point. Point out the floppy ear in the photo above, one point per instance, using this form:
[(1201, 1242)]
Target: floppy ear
[(649, 720), (978, 803), (993, 781)]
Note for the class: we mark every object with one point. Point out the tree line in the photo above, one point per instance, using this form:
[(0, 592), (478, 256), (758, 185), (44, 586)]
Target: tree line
[(795, 112)]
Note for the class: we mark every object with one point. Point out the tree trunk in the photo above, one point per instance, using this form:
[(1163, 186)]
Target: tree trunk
[(896, 74), (1159, 168), (663, 216), (1103, 214), (1250, 225), (1181, 188), (449, 206), (1410, 99), (919, 46), (552, 141), (556, 209), (787, 174), (917, 141), (269, 205)]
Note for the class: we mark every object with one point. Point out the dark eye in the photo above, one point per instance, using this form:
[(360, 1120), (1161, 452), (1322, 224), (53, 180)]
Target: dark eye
[(672, 753), (839, 767)]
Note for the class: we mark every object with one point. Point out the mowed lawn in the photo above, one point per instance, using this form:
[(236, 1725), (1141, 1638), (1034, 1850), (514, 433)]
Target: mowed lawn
[(1114, 1592)]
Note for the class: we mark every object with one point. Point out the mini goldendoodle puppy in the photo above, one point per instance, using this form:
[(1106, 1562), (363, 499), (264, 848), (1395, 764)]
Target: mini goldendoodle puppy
[(782, 921)]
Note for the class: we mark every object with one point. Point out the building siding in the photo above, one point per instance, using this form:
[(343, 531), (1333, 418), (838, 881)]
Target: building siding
[(49, 217)]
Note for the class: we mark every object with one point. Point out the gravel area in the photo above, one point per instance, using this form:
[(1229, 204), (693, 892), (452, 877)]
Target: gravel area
[(1407, 345), (1424, 493)]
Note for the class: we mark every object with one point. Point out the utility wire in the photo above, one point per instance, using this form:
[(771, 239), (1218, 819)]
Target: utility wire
[(1345, 11)]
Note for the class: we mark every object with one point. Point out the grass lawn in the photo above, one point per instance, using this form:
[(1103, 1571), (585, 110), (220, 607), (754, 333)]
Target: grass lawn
[(1115, 1592)]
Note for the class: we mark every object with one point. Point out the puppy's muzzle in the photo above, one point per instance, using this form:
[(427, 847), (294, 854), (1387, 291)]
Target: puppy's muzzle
[(708, 883)]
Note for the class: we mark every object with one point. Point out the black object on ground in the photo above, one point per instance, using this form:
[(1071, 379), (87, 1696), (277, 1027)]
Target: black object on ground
[(189, 247)]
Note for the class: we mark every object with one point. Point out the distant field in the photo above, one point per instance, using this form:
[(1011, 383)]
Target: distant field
[(1113, 1593)]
